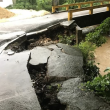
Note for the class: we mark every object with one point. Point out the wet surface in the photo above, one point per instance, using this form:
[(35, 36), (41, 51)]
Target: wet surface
[(103, 56), (15, 83), (45, 91)]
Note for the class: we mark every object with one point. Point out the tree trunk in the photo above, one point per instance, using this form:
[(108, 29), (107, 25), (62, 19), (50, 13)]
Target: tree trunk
[(14, 1), (55, 2)]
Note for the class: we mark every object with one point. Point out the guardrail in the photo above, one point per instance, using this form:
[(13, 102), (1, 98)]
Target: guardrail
[(70, 11)]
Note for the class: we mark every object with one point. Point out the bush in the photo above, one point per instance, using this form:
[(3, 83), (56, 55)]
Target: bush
[(66, 39), (87, 49), (97, 37), (92, 40), (100, 85), (90, 71)]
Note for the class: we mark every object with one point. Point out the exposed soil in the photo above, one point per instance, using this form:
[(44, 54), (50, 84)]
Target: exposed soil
[(44, 39), (46, 92), (4, 13), (49, 37), (44, 88), (102, 55)]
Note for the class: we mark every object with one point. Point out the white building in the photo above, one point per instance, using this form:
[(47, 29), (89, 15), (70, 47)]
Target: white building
[(5, 3)]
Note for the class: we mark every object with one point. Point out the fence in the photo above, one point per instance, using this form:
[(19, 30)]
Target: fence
[(90, 8)]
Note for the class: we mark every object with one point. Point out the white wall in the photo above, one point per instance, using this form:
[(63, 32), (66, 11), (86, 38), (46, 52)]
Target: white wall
[(6, 3)]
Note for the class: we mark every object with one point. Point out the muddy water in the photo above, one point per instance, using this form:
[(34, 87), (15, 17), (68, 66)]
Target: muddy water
[(103, 56)]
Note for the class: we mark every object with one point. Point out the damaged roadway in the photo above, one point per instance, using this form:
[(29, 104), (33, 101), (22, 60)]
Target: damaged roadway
[(63, 65)]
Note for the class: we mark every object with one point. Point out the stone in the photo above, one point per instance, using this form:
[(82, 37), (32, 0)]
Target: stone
[(10, 52), (74, 51), (86, 30), (39, 55), (65, 64), (75, 98), (67, 23), (16, 91)]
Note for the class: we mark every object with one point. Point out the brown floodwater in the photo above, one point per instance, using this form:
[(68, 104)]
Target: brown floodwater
[(102, 55)]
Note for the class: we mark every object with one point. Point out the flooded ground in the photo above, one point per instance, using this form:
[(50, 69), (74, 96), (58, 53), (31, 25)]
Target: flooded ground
[(103, 56)]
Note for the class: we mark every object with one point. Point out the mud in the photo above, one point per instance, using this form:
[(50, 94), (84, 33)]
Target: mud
[(102, 55)]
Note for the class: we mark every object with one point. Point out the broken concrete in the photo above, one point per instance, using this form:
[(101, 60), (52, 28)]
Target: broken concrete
[(17, 92), (65, 64), (10, 36), (68, 24), (74, 51), (17, 41), (75, 98), (86, 30), (39, 55), (62, 61)]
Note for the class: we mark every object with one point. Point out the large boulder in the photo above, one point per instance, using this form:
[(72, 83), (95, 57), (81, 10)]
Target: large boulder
[(76, 98), (65, 62)]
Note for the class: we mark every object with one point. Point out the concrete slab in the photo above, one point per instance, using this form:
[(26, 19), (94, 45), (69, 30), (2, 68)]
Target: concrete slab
[(65, 64), (76, 98), (67, 23), (16, 91), (39, 55)]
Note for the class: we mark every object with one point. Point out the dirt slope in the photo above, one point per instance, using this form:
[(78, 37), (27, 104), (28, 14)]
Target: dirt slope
[(4, 13)]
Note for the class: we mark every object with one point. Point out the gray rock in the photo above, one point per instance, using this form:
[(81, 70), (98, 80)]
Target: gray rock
[(39, 55), (86, 30), (65, 64), (75, 98), (16, 91), (74, 51), (68, 24)]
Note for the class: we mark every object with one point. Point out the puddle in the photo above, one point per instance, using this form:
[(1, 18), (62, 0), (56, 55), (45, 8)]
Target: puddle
[(103, 56)]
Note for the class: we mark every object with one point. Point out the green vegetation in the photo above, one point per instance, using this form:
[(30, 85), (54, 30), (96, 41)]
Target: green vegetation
[(95, 82), (66, 39), (100, 85), (33, 4), (93, 39), (45, 4), (97, 37), (87, 49), (90, 70)]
